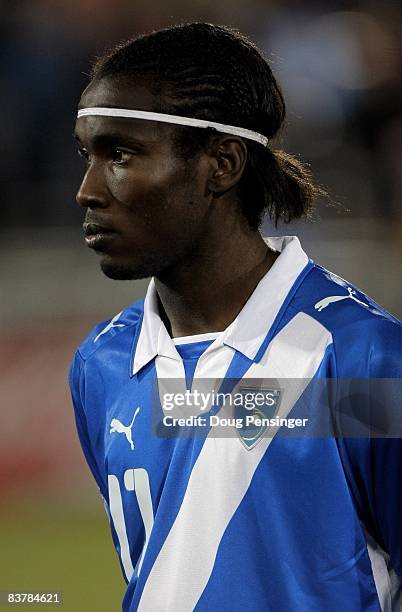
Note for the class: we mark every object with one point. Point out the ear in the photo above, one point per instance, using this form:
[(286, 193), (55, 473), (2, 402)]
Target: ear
[(227, 156)]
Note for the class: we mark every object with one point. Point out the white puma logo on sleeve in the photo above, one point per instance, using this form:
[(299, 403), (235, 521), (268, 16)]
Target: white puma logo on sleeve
[(337, 298), (109, 326)]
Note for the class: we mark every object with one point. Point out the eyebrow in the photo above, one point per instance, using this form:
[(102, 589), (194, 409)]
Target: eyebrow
[(110, 139)]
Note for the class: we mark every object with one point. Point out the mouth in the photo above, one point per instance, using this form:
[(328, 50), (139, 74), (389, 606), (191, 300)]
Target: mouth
[(98, 236)]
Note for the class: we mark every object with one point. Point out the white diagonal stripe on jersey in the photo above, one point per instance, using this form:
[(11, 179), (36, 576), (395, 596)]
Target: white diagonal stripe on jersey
[(188, 554), (389, 589)]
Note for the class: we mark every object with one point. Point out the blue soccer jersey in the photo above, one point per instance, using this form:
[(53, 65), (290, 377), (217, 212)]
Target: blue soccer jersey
[(308, 522)]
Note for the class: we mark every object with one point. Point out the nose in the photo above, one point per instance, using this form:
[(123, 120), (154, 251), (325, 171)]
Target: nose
[(93, 190)]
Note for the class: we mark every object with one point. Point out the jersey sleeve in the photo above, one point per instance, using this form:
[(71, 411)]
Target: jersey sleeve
[(374, 464), (386, 453), (77, 387)]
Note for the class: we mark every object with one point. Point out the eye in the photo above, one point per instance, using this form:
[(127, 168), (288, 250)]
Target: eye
[(83, 153), (121, 156)]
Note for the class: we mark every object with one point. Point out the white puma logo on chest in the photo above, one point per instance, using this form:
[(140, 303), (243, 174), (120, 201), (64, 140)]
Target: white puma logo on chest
[(117, 426)]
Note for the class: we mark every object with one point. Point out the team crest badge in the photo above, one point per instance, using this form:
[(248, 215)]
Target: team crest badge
[(258, 406)]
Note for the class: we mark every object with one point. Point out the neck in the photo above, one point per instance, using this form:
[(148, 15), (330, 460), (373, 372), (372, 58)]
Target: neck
[(208, 291)]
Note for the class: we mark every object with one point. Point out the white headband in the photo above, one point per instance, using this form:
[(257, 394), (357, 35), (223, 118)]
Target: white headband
[(138, 114)]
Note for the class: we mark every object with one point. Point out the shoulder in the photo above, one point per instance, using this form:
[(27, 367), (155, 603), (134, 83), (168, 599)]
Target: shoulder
[(364, 335), (116, 330)]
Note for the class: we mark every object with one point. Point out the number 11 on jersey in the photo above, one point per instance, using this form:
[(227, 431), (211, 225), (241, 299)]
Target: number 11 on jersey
[(136, 480)]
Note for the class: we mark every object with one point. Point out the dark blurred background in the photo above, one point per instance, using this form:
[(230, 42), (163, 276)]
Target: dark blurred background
[(340, 68)]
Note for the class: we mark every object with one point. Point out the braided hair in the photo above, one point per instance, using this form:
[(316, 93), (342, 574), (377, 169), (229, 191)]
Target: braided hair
[(216, 73)]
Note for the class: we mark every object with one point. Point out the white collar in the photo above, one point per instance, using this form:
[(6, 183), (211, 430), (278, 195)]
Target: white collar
[(247, 332), (196, 338)]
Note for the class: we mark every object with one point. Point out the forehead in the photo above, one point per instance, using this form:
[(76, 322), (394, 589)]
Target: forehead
[(119, 93)]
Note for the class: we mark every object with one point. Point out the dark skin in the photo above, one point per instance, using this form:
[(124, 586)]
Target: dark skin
[(176, 220)]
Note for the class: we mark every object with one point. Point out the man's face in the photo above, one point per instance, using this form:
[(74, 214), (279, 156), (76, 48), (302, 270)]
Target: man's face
[(146, 208)]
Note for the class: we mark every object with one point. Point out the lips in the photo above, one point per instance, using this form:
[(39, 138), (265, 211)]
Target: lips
[(98, 236), (91, 229)]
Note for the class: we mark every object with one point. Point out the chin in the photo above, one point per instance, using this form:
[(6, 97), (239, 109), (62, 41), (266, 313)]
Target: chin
[(154, 263), (116, 272), (129, 271)]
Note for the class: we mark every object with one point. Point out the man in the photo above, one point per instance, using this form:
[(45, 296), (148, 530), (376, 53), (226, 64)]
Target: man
[(176, 127)]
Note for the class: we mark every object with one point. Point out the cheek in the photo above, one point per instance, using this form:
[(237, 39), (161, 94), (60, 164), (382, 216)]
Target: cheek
[(142, 179), (162, 199), (126, 189)]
